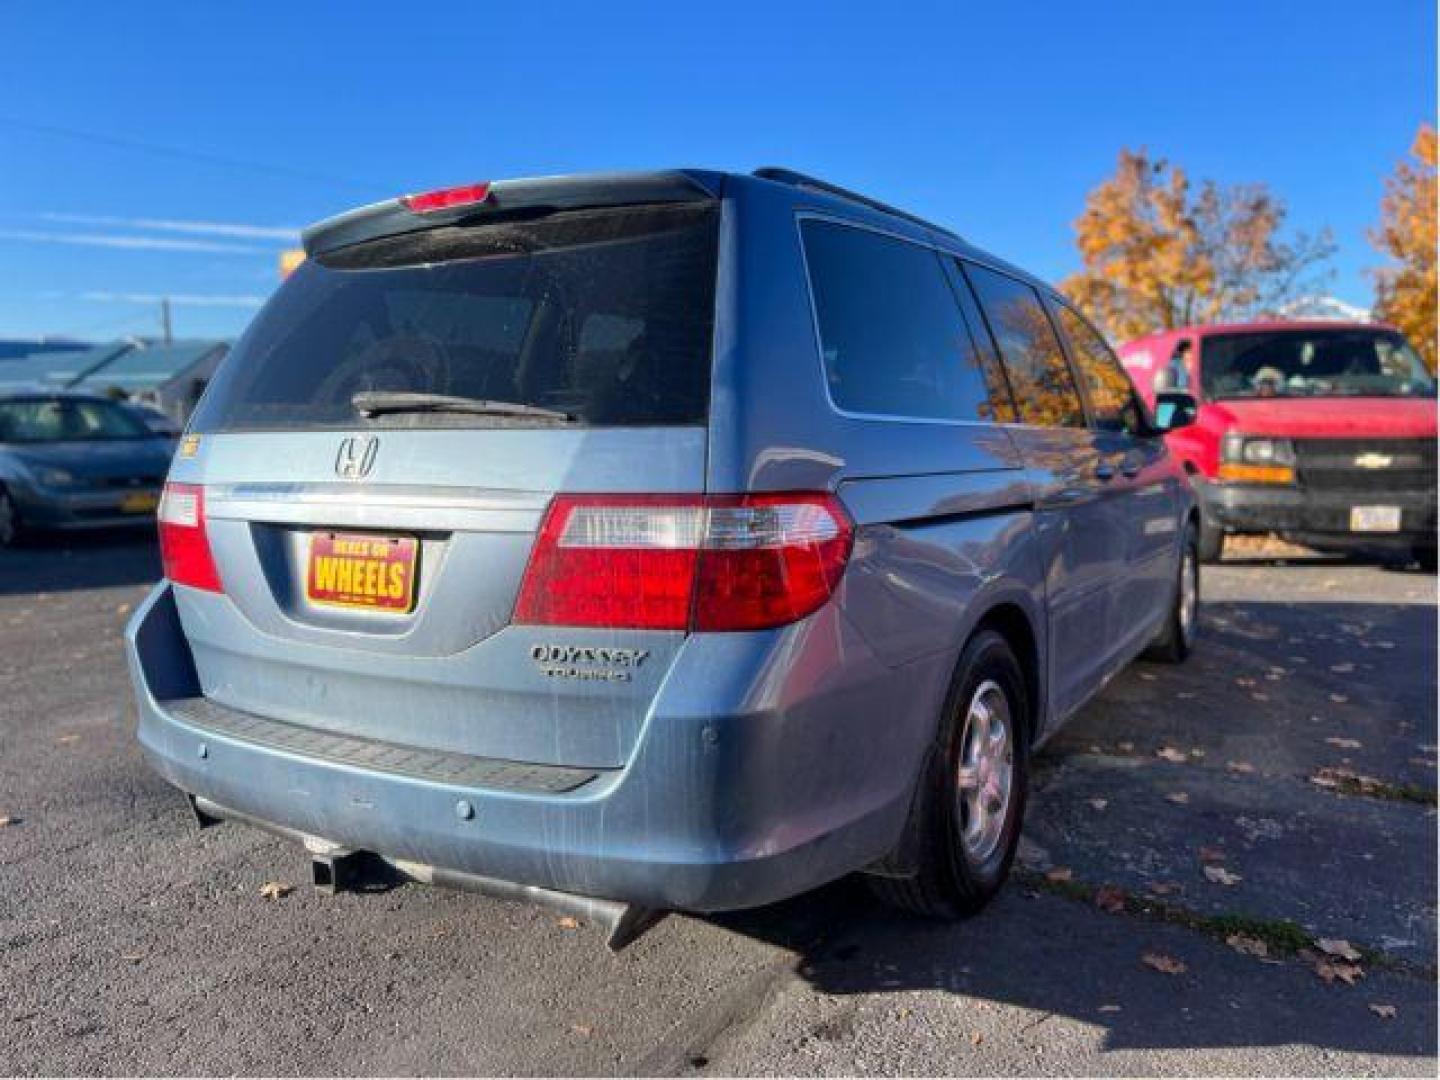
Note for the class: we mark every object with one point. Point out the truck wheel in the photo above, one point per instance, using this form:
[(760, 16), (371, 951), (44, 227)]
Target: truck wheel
[(1176, 640), (9, 520), (1211, 543), (967, 815)]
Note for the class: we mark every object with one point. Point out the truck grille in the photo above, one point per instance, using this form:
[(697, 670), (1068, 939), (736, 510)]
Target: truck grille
[(1366, 465)]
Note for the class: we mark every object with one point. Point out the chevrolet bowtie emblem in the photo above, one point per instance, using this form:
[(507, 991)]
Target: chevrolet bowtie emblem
[(1374, 461)]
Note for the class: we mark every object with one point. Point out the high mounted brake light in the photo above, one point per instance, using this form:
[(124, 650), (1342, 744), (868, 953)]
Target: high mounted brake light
[(447, 198), (685, 562), (184, 547)]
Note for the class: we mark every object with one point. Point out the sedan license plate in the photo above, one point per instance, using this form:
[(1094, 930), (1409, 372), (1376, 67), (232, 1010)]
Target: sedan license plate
[(139, 502), (359, 570), (1375, 519)]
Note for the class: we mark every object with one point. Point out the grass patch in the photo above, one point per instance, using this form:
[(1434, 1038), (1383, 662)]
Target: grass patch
[(1283, 937)]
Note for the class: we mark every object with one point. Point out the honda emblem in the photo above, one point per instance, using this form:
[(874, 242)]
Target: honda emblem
[(356, 457)]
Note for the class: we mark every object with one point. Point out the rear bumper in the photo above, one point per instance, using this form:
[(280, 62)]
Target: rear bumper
[(712, 812), (1321, 516)]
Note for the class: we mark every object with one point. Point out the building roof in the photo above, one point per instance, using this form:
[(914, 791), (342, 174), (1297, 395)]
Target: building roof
[(150, 365), (15, 348), (58, 369)]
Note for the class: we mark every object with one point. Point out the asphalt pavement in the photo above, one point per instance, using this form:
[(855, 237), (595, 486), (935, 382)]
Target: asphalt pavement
[(1193, 835)]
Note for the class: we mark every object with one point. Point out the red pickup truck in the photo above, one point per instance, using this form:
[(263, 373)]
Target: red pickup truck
[(1323, 432)]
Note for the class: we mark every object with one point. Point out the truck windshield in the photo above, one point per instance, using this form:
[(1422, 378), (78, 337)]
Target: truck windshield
[(1344, 362), (595, 317)]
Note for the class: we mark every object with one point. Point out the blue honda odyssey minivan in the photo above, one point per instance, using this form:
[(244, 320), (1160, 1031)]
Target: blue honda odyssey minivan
[(662, 541)]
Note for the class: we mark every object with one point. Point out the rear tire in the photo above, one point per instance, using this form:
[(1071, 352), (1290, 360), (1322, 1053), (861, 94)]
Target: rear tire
[(966, 819), (1178, 638)]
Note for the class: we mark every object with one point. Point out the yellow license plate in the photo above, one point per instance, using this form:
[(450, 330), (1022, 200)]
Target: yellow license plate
[(359, 570), (139, 502)]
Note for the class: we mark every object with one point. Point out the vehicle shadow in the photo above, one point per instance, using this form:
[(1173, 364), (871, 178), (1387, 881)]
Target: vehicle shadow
[(1268, 685), (64, 562)]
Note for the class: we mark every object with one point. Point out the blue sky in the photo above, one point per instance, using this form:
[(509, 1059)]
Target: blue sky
[(995, 119)]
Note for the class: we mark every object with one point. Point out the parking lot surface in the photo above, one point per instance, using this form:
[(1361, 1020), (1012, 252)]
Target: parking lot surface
[(1275, 792)]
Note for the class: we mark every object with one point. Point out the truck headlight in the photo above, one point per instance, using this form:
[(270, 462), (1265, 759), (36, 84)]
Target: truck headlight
[(1250, 460)]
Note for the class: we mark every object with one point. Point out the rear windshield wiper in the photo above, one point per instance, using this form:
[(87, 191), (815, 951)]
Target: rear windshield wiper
[(370, 403)]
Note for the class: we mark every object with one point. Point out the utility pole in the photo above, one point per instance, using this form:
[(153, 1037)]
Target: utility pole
[(165, 318)]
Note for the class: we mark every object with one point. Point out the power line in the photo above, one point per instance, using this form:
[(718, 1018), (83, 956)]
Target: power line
[(184, 154)]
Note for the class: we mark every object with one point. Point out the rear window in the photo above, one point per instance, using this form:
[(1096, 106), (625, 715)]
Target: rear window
[(893, 338), (605, 315), (1040, 376)]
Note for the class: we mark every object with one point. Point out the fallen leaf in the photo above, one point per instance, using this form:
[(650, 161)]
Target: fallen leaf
[(1218, 875), (568, 922), (1179, 798), (901, 1014), (1059, 874), (1248, 946), (1099, 804), (1338, 947), (1212, 854), (1162, 963), (1346, 973), (1169, 753), (1385, 1012), (1163, 888), (1324, 781), (122, 609), (274, 890), (1343, 744), (976, 1038), (6, 821), (68, 738), (1240, 767), (1110, 899), (583, 1030)]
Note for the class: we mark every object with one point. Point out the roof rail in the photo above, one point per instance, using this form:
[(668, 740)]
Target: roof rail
[(799, 179)]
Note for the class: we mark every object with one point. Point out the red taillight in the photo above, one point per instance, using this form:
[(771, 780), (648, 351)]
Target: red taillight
[(667, 562), (184, 547), (446, 198)]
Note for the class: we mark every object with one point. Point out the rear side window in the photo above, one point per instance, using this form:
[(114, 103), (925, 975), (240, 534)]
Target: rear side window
[(893, 338), (1039, 375), (605, 315), (1112, 398)]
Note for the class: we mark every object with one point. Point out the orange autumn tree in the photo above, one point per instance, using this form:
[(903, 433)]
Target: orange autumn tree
[(1405, 293), (1158, 254)]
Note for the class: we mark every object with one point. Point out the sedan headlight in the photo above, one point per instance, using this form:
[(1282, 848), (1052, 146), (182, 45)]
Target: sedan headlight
[(55, 478), (1257, 460)]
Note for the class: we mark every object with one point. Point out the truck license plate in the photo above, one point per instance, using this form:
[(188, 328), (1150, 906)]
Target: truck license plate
[(1375, 519)]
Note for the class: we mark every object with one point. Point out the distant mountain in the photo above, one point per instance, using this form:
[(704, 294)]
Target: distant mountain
[(1322, 307)]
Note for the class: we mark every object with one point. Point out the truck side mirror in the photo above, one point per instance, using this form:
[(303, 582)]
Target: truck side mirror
[(1174, 409)]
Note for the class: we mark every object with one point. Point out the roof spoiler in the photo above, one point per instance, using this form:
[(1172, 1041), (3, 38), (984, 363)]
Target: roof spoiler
[(545, 194), (801, 180)]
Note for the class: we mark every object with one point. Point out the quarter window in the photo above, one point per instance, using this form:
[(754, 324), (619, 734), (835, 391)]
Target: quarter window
[(893, 338), (1112, 398), (1040, 377)]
